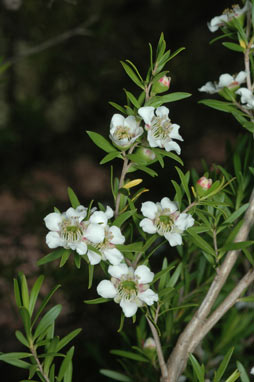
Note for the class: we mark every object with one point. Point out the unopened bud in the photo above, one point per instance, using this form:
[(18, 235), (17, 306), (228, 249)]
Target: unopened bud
[(149, 344), (204, 183), (162, 85), (146, 155)]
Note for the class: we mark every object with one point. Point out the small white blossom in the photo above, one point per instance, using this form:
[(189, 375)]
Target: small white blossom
[(128, 287), (160, 130), (246, 97), (227, 16), (166, 220), (225, 80), (124, 131), (103, 238), (252, 371), (149, 344), (67, 229)]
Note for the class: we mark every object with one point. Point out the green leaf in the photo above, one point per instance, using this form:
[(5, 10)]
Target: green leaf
[(15, 355), (17, 362), (53, 256), (17, 293), (101, 142), (243, 375), (26, 321), (200, 242), (184, 182), (133, 247), (90, 275), (132, 75), (176, 52), (162, 273), (172, 97), (132, 99), (115, 375), (77, 260), (118, 107), (65, 364), (73, 198), (222, 368), (130, 355), (233, 46), (98, 300), (65, 340), (198, 370), (34, 293), (110, 156), (45, 302), (123, 217), (233, 377), (148, 170), (237, 246), (47, 320), (219, 105), (243, 121), (168, 154), (235, 215), (20, 336)]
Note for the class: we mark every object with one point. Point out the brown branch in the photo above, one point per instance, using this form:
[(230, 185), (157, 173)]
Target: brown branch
[(80, 30), (229, 301), (178, 358)]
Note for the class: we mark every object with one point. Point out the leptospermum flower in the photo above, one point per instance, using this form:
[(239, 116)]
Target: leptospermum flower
[(164, 218), (247, 97), (160, 130), (128, 287), (225, 80), (227, 16), (124, 131), (67, 229), (104, 238)]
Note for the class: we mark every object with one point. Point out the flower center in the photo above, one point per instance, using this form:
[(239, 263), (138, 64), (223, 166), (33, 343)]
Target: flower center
[(128, 288), (122, 132), (71, 230), (164, 222), (161, 127)]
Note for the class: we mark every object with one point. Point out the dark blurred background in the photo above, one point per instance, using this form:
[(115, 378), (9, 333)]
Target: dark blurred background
[(64, 68)]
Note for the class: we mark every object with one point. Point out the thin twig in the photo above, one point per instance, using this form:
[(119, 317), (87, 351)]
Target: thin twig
[(162, 363), (34, 353), (80, 30)]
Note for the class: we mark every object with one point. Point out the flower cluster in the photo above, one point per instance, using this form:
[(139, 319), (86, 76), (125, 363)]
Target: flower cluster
[(70, 230), (227, 16), (161, 132)]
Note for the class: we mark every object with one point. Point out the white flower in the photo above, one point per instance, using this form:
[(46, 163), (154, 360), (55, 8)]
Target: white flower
[(128, 287), (227, 16), (160, 130), (246, 97), (252, 371), (67, 229), (166, 220), (124, 131), (103, 238), (225, 80)]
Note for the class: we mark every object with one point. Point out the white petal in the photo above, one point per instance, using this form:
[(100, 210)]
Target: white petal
[(131, 123), (148, 226), (53, 240), (173, 146), (129, 308), (167, 203), (94, 258), (241, 77), (113, 255), (106, 289), (81, 248), (118, 270), (109, 212), (152, 141), (225, 80), (148, 296), (95, 233), (117, 120), (173, 238), (53, 220), (99, 217), (174, 133), (162, 111), (144, 274), (118, 238), (149, 209), (184, 221), (79, 212), (147, 113), (208, 88)]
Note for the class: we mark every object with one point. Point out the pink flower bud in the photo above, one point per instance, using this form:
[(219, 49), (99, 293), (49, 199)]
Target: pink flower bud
[(165, 81), (149, 344), (205, 183)]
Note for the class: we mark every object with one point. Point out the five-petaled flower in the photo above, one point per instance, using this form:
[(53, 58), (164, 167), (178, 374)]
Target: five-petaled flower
[(124, 131), (225, 80), (227, 16), (247, 97), (160, 130), (128, 287), (166, 220), (67, 229)]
